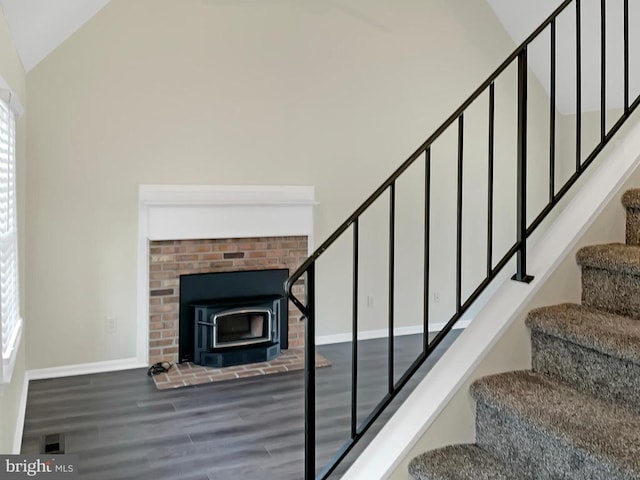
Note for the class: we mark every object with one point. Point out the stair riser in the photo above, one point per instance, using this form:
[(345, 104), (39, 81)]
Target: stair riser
[(586, 369), (611, 291), (633, 227), (535, 452)]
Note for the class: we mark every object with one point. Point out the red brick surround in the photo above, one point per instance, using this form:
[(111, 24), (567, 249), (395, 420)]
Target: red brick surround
[(172, 258)]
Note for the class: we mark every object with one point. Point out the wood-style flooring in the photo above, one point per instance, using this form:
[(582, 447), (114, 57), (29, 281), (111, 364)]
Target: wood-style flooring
[(121, 427)]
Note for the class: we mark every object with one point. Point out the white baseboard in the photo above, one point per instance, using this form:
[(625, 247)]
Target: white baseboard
[(84, 369), (383, 333)]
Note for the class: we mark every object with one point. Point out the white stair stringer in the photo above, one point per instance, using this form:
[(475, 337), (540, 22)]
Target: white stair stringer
[(461, 363)]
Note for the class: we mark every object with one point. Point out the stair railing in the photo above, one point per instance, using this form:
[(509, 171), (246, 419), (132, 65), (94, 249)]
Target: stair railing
[(518, 249)]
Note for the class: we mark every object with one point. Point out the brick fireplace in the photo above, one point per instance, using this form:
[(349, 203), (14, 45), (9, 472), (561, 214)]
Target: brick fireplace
[(195, 229), (168, 259)]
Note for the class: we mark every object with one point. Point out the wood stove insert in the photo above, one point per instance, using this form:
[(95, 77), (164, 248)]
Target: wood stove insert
[(234, 331), (232, 318)]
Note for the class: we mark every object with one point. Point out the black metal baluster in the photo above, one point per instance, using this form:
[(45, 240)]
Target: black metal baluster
[(552, 116), (521, 272), (459, 219), (518, 248), (354, 348), (492, 95), (603, 70), (626, 57), (427, 242), (578, 87), (392, 247), (310, 378)]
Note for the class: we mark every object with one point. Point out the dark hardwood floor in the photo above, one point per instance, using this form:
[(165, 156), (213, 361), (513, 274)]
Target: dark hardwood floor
[(121, 427)]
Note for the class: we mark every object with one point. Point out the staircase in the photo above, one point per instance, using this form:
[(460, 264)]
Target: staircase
[(559, 420), (576, 414)]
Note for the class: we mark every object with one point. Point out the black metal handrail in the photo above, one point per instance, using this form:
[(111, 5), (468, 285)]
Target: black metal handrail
[(524, 230)]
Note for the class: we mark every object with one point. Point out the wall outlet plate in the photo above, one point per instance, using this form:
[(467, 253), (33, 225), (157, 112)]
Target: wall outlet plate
[(111, 324)]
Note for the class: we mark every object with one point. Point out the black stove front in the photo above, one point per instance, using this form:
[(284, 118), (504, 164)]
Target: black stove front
[(233, 318)]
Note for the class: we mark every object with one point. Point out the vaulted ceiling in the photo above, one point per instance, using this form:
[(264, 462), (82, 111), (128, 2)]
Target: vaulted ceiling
[(520, 18), (39, 26)]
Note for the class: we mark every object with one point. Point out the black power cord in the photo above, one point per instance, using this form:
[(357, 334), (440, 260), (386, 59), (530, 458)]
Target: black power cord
[(160, 367)]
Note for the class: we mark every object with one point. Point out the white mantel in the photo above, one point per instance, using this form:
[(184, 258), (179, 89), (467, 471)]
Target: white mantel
[(185, 212)]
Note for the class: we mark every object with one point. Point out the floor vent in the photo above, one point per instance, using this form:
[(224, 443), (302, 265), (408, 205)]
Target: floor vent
[(52, 443)]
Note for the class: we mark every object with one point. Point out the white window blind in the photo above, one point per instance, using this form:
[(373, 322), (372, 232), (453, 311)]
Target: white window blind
[(9, 293)]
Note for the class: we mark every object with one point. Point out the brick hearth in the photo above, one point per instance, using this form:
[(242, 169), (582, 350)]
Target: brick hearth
[(187, 374), (172, 258)]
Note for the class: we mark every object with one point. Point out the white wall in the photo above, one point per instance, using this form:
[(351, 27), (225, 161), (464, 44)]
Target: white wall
[(521, 17), (238, 92), (455, 423), (10, 395)]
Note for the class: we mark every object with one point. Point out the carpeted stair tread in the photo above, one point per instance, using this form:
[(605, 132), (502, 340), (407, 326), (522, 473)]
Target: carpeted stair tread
[(631, 198), (601, 430), (614, 335), (576, 415), (460, 462), (613, 256)]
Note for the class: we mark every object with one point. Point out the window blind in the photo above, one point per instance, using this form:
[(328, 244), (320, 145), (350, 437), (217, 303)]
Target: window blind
[(9, 293)]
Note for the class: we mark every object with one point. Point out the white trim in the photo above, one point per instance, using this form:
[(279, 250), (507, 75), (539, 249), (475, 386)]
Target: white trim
[(22, 410), (11, 319), (401, 433), (7, 364), (231, 195), (384, 333), (85, 369), (189, 212), (142, 323), (9, 96)]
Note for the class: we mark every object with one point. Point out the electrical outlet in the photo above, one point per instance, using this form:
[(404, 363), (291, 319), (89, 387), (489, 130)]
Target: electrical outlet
[(111, 324), (369, 301), (436, 297)]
